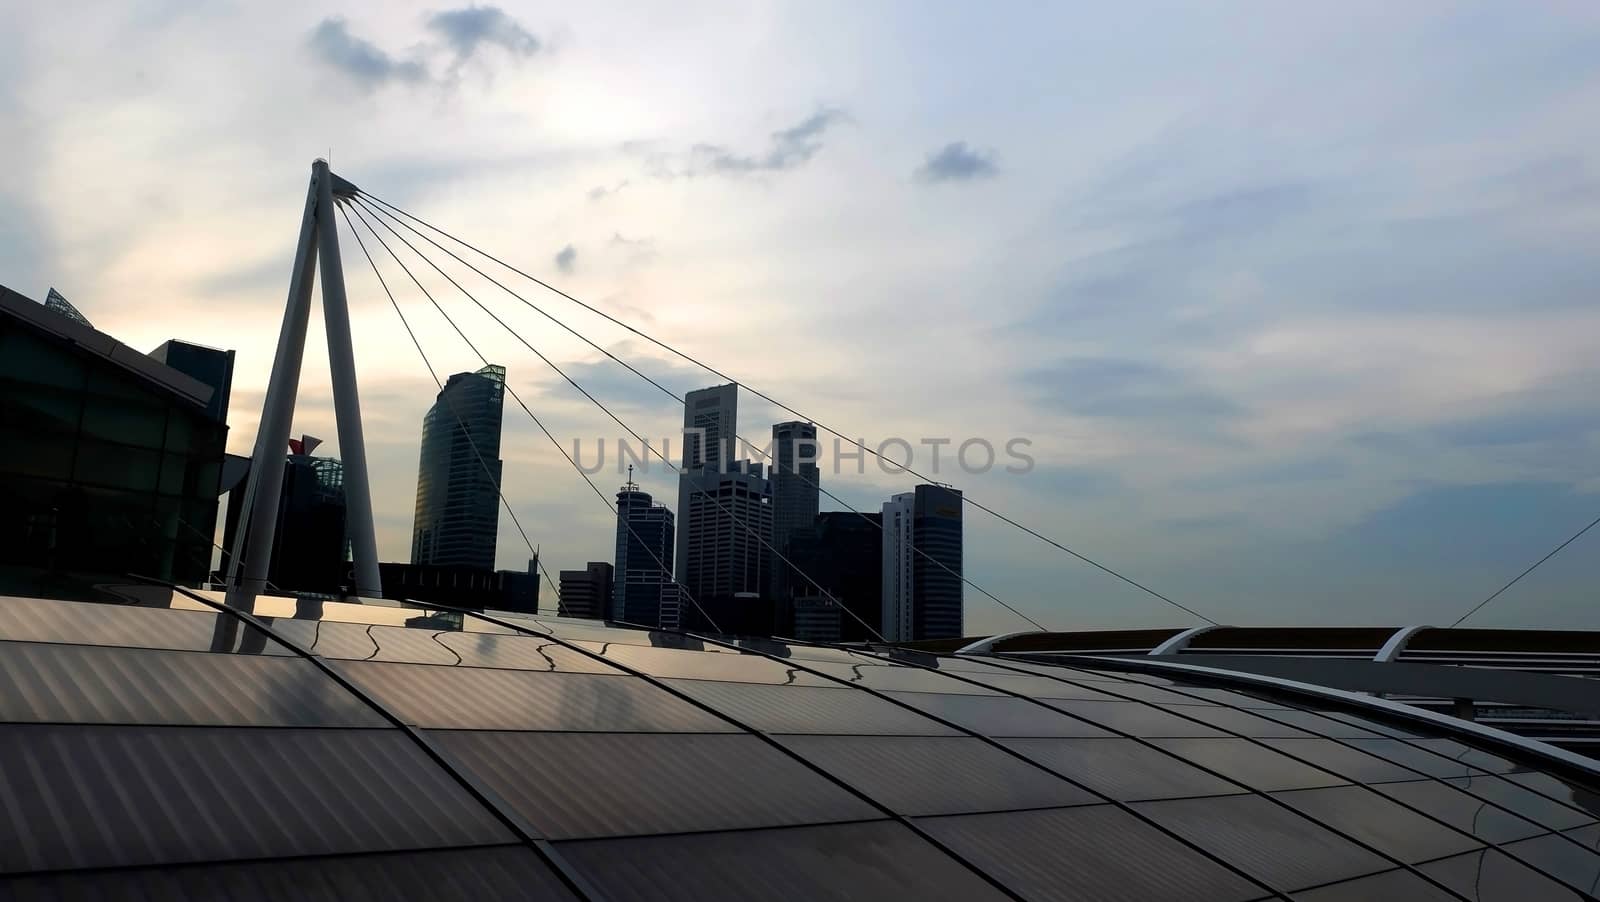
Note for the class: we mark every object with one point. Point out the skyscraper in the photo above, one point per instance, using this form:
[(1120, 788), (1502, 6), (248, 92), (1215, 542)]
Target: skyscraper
[(922, 592), (587, 592), (710, 421), (458, 503), (724, 531), (795, 483), (643, 591), (841, 557)]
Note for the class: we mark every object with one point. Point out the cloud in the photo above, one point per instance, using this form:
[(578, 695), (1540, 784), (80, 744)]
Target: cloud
[(956, 162), (567, 258), (1124, 388), (601, 192), (361, 60), (467, 29), (786, 149)]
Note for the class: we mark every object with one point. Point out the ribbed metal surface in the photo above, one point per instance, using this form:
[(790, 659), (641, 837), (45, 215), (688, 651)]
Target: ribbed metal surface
[(84, 623), (1241, 723), (1123, 769), (95, 796), (579, 785), (1352, 764), (1468, 755), (1234, 699), (1490, 876), (474, 698), (693, 665), (1397, 885), (1313, 722), (1250, 764), (1364, 815), (92, 684), (1097, 853), (365, 642), (469, 875), (903, 679), (1260, 838), (881, 860), (1563, 807), (1574, 863), (1462, 811), (998, 716), (1549, 785), (804, 709), (1134, 718), (1418, 759), (1043, 687), (520, 653), (919, 775)]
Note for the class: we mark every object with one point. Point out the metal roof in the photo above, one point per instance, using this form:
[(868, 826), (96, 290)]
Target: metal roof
[(171, 747)]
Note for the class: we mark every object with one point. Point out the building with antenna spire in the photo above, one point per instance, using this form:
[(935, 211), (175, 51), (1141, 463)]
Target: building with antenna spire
[(643, 590)]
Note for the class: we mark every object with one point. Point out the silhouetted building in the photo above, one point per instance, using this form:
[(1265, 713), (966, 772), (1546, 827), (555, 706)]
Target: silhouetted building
[(795, 481), (458, 479), (310, 551), (724, 530), (209, 365), (110, 461), (463, 587), (55, 303), (922, 592), (816, 619), (587, 592), (841, 554), (643, 591), (710, 422)]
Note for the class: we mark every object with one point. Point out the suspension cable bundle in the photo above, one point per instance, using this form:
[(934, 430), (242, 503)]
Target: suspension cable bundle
[(372, 211)]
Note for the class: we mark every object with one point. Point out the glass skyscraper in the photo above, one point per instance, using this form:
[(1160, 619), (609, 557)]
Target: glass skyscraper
[(795, 488), (922, 592), (458, 494), (643, 591)]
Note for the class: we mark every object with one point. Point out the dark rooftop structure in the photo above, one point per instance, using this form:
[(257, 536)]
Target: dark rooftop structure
[(110, 460), (170, 747)]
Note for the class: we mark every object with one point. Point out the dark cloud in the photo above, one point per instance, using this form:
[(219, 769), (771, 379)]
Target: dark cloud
[(567, 258), (787, 149), (1122, 388), (469, 28), (956, 162), (361, 60)]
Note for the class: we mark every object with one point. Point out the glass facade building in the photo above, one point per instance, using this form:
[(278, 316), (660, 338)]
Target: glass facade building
[(922, 552), (796, 489), (642, 588), (458, 479), (168, 747), (110, 461)]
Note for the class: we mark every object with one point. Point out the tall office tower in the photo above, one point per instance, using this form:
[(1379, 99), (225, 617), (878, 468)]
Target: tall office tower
[(643, 591), (458, 503), (725, 529), (795, 484), (586, 592), (841, 557), (922, 595), (710, 422), (310, 551)]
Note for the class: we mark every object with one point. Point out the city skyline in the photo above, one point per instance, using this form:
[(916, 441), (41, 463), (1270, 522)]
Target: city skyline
[(1271, 376)]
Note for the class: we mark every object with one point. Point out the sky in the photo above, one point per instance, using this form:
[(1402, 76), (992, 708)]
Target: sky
[(1295, 305)]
